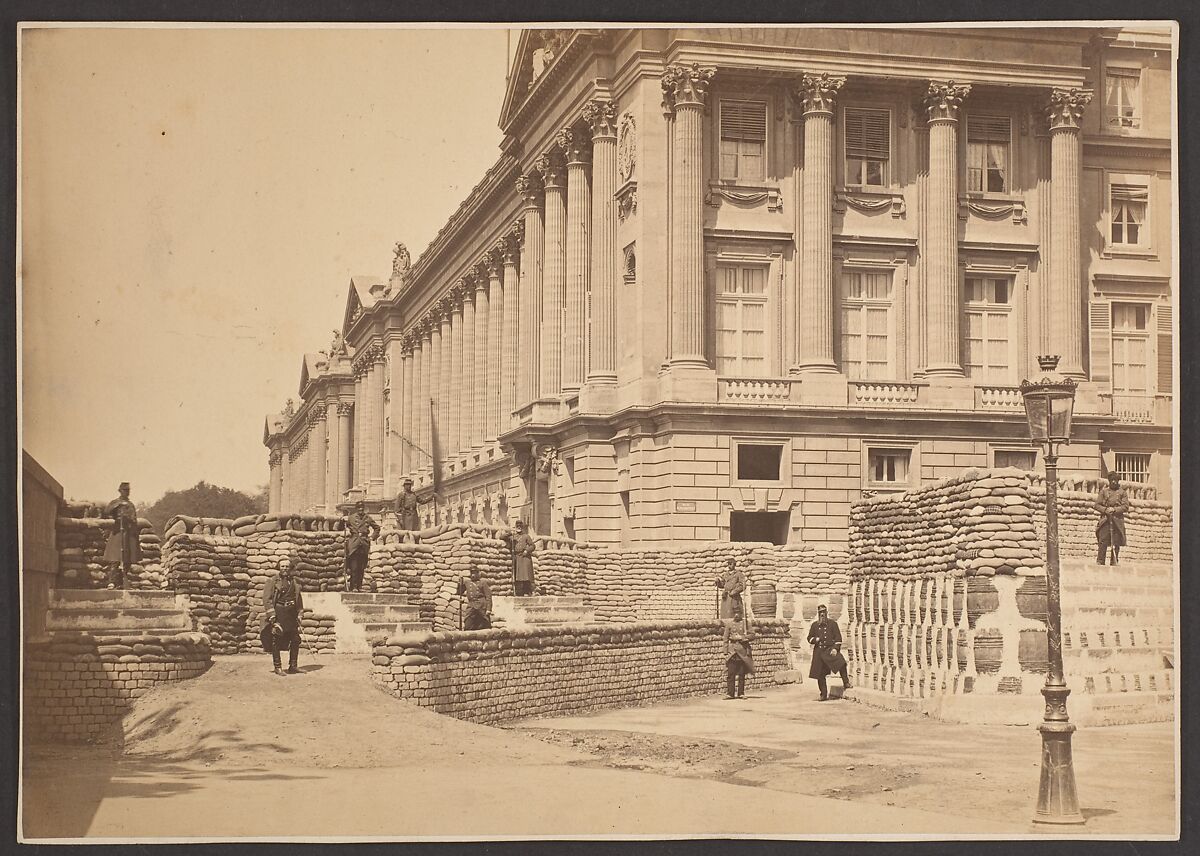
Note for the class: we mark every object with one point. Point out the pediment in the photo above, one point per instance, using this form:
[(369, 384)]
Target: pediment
[(538, 52), (358, 300)]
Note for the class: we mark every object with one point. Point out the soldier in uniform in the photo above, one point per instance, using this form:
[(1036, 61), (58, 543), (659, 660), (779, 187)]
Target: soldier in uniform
[(479, 602), (406, 508), (523, 550), (739, 661), (1112, 503), (122, 548), (359, 527), (731, 582), (826, 639), (282, 606)]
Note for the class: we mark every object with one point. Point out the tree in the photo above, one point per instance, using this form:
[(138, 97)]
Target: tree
[(204, 500)]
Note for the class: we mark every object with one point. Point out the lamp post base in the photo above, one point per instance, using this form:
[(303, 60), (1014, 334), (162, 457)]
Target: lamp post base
[(1057, 800)]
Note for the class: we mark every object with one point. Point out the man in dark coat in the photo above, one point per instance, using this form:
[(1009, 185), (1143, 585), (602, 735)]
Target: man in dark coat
[(739, 661), (826, 639), (122, 548), (523, 550), (407, 508), (732, 582), (283, 604), (1112, 503), (478, 597), (359, 527)]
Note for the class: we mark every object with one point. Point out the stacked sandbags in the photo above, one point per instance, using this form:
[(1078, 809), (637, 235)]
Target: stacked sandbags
[(211, 571), (81, 538), (1148, 523), (805, 569), (404, 568), (318, 557), (150, 573), (317, 634), (561, 572)]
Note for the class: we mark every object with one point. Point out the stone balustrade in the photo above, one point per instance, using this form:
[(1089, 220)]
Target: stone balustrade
[(754, 390), (881, 394), (999, 398)]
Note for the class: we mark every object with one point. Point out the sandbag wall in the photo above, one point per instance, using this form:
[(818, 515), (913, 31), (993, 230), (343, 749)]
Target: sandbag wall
[(81, 536), (401, 565), (1148, 523), (499, 675), (212, 571)]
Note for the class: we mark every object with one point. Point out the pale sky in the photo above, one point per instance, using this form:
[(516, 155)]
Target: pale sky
[(195, 202)]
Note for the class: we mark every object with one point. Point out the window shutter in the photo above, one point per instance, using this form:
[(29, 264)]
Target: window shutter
[(1165, 346), (744, 120), (1130, 193), (988, 129), (1101, 340), (868, 133)]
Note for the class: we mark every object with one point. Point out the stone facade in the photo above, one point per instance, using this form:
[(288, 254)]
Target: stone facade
[(807, 267)]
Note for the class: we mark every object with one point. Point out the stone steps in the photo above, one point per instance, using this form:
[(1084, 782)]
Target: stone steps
[(541, 610), (391, 628), (365, 612), (358, 616), (103, 611)]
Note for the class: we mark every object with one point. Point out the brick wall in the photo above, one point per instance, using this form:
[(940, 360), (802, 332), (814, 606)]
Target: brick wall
[(500, 675)]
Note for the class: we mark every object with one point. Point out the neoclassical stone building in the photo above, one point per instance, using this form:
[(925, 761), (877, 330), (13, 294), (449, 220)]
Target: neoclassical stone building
[(721, 282)]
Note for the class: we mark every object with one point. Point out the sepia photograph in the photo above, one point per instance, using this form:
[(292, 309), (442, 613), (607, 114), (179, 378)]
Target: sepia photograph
[(498, 431)]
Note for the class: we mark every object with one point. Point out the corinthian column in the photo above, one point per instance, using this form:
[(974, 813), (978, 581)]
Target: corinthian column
[(333, 451), (285, 478), (1066, 289), (360, 423), (509, 341), (578, 268), (317, 449), (375, 435), (478, 399), (550, 376), (602, 341), (421, 393), (406, 404), (433, 385), (490, 381), (444, 383), (470, 365), (345, 450), (529, 321), (455, 409), (686, 89), (817, 94), (942, 288), (275, 459)]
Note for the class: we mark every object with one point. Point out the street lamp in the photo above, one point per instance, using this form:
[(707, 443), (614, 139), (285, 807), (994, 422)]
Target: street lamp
[(1048, 406)]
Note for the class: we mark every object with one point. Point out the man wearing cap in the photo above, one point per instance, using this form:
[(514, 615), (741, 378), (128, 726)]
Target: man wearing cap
[(739, 661), (359, 527), (122, 548), (283, 605), (406, 507), (1112, 503), (478, 597), (731, 582), (826, 639), (523, 550)]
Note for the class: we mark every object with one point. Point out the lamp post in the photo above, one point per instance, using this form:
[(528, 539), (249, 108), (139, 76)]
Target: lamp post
[(1048, 406)]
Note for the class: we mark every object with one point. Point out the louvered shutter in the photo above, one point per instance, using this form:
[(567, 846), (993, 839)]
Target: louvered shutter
[(1130, 193), (868, 134), (744, 120), (1165, 347), (1100, 349), (988, 129)]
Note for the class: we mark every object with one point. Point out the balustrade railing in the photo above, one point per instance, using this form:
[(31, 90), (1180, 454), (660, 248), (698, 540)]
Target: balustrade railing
[(883, 393), (755, 389), (998, 398)]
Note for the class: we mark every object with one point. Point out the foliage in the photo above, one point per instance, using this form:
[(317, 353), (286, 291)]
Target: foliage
[(204, 500)]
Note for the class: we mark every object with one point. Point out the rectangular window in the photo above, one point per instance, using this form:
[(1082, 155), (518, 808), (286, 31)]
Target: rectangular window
[(1021, 459), (769, 526), (888, 466), (1128, 206), (741, 309), (866, 325), (868, 145), (743, 140), (987, 340), (758, 462), (1122, 96), (1131, 348), (1133, 467), (988, 140)]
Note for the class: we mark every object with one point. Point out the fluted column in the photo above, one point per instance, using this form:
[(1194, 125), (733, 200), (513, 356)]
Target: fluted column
[(577, 149), (345, 412), (360, 429), (479, 394), (943, 290), (333, 451), (470, 433), (285, 479), (443, 381), (275, 459), (406, 404), (317, 451), (491, 385), (550, 375), (686, 89), (1066, 286), (529, 319), (602, 340), (375, 447), (433, 400), (509, 341), (817, 94), (456, 415)]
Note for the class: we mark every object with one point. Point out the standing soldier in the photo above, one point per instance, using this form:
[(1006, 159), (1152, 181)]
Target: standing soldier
[(523, 550), (479, 602), (122, 549), (283, 605), (406, 508), (739, 661), (1112, 503), (731, 582), (359, 527), (826, 639)]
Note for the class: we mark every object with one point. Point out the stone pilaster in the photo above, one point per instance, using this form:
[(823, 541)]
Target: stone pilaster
[(529, 319), (602, 343), (333, 451), (491, 380), (432, 385), (943, 315), (358, 478), (817, 94), (420, 402), (576, 148), (375, 435), (686, 89), (345, 451), (318, 458), (456, 415), (510, 343), (1066, 285), (275, 460), (406, 403), (285, 479), (444, 383), (478, 398), (554, 277)]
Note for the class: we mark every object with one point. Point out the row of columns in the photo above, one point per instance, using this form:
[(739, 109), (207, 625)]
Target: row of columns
[(313, 472)]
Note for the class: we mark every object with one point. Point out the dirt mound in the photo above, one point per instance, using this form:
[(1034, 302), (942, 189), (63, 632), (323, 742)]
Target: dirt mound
[(329, 715)]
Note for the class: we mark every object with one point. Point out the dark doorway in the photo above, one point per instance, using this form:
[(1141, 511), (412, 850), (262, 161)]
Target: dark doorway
[(769, 526)]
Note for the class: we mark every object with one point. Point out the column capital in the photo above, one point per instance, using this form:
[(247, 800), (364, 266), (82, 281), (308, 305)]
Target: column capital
[(817, 93), (516, 235), (345, 408), (408, 341), (1065, 108), (550, 165), (441, 311), (529, 188), (492, 260), (458, 294), (686, 86), (601, 117), (943, 100), (274, 458), (574, 146)]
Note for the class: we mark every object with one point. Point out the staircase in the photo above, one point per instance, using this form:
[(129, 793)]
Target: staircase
[(541, 610), (156, 613), (359, 616)]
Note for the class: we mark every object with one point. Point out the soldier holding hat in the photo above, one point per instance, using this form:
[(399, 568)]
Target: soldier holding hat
[(406, 507), (122, 548), (283, 605)]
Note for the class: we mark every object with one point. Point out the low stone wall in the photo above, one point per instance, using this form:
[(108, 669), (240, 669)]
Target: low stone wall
[(500, 675), (76, 684)]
